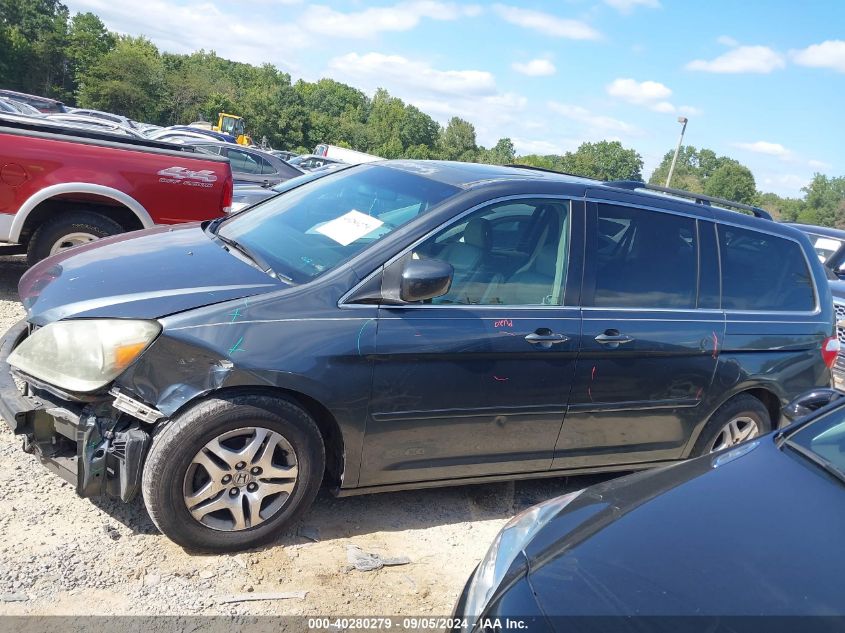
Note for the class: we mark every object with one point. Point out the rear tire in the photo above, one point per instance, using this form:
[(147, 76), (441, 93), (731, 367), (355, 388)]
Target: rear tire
[(201, 511), (741, 418), (69, 228)]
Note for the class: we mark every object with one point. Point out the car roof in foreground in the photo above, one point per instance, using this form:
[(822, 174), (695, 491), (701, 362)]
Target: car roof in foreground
[(471, 175)]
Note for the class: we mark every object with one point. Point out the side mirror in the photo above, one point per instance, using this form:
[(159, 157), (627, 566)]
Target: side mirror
[(425, 279), (809, 402)]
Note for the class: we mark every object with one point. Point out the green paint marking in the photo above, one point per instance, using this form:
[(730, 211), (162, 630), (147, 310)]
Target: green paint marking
[(237, 346)]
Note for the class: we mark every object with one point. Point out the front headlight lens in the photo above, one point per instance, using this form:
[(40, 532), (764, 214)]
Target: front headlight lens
[(507, 545), (85, 354)]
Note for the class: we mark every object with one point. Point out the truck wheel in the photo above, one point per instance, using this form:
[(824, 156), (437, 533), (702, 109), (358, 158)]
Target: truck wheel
[(741, 418), (229, 473), (67, 230)]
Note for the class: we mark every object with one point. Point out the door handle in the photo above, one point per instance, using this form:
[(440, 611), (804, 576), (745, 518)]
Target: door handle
[(613, 339), (546, 338)]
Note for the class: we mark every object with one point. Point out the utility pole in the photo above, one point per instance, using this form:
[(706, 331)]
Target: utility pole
[(683, 121)]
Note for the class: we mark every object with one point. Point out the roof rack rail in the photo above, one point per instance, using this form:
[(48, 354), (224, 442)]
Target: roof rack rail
[(699, 198), (549, 171)]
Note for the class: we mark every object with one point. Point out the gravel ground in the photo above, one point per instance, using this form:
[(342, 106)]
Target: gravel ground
[(63, 555)]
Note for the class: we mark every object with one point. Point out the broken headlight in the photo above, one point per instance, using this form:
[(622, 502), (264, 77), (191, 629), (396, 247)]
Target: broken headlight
[(83, 355)]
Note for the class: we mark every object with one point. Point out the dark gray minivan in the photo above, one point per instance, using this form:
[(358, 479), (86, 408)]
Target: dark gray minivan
[(408, 324)]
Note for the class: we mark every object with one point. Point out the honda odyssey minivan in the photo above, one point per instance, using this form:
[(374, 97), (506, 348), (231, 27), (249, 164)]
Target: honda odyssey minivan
[(407, 324)]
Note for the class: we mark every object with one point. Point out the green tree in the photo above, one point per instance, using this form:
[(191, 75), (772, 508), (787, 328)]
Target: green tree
[(733, 182), (128, 80), (33, 34), (502, 153), (457, 141), (605, 160), (417, 128), (87, 42), (824, 201), (331, 97), (783, 209), (695, 168)]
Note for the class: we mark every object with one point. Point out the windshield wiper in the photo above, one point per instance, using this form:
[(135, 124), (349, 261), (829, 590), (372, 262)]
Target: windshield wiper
[(831, 469), (254, 257)]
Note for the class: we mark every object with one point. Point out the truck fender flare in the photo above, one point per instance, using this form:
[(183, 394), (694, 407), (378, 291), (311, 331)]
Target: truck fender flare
[(76, 187)]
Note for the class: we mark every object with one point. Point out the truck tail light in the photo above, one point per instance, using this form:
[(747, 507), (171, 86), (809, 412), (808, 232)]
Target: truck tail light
[(830, 350), (228, 192)]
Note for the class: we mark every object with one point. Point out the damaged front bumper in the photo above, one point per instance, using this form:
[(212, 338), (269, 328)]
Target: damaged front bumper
[(93, 444)]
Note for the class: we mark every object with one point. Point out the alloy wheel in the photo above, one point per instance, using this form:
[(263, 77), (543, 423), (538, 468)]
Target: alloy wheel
[(240, 479), (738, 430)]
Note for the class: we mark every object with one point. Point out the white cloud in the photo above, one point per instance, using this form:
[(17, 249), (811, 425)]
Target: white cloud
[(727, 40), (664, 107), (469, 94), (765, 147), (649, 94), (369, 22), (742, 59), (828, 54), (535, 68), (638, 92), (596, 123), (398, 70), (819, 164), (546, 23), (627, 6), (783, 184), (185, 28)]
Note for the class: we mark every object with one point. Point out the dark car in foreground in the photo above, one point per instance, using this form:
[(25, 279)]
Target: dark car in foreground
[(752, 531), (409, 324)]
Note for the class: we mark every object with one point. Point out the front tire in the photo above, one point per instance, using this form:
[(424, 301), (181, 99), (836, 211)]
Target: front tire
[(67, 230), (229, 473), (741, 418)]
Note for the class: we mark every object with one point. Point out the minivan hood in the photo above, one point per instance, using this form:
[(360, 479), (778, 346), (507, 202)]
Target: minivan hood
[(144, 275)]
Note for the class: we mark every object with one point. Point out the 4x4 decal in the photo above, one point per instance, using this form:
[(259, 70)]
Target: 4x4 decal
[(184, 176)]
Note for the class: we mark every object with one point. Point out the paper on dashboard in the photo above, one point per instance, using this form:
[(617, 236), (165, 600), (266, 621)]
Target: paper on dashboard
[(349, 227)]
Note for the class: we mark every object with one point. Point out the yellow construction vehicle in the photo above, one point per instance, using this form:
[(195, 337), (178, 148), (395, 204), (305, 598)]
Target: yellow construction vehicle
[(234, 125)]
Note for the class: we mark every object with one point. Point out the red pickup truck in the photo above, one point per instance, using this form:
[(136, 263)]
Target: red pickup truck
[(60, 187)]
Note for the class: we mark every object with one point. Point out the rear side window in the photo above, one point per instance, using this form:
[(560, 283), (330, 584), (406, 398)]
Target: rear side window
[(246, 163), (763, 272), (644, 259)]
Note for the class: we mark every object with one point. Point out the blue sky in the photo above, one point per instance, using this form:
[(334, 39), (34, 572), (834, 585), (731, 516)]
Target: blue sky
[(760, 81)]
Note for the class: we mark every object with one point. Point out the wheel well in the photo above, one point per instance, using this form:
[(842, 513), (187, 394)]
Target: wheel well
[(95, 204), (326, 423), (770, 401)]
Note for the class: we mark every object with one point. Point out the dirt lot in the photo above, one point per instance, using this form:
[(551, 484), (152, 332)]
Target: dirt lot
[(60, 554)]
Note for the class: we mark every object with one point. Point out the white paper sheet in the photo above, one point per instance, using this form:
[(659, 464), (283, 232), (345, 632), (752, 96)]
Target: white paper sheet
[(349, 227)]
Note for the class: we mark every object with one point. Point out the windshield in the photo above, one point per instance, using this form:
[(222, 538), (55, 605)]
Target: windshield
[(823, 440), (313, 228)]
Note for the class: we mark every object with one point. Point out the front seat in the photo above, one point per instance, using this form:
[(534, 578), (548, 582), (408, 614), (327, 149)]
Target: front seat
[(532, 284), (470, 259)]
